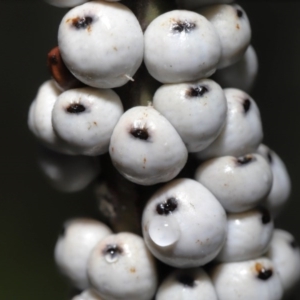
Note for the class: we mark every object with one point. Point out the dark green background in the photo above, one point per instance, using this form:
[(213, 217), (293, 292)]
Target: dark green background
[(31, 212)]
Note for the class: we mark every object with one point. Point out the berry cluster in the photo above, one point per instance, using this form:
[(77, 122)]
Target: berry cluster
[(198, 190)]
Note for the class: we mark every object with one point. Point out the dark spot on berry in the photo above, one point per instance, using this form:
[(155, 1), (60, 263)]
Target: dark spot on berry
[(140, 133), (239, 12), (262, 272), (246, 104), (183, 26), (112, 251), (265, 215), (198, 91), (186, 280), (243, 160), (82, 23), (167, 207), (75, 108), (270, 158), (294, 244)]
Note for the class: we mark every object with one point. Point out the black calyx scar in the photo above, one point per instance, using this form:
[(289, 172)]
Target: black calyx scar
[(265, 215), (186, 280), (167, 207), (82, 23), (112, 250), (243, 160), (270, 158), (294, 244), (75, 108), (239, 13), (140, 133), (264, 274), (183, 26), (197, 91), (246, 105)]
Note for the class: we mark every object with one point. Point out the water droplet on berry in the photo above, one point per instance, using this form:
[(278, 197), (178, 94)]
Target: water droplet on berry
[(112, 253), (164, 231)]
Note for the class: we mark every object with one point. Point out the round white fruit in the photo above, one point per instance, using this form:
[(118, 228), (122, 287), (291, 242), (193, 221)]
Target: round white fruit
[(66, 3), (101, 43), (241, 74), (88, 294), (281, 187), (239, 183), (121, 268), (39, 117), (247, 280), (248, 236), (68, 173), (186, 285), (84, 118), (74, 245), (285, 255), (197, 110), (233, 27), (242, 132), (145, 147), (181, 46), (183, 224)]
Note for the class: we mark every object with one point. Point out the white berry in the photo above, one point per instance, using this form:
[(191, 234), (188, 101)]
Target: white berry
[(281, 187), (247, 280), (183, 224), (239, 183), (186, 285), (88, 294), (145, 147), (285, 254), (101, 43), (39, 117), (74, 246), (181, 46), (68, 173), (241, 74), (233, 27), (85, 117), (121, 267), (66, 3), (248, 236), (197, 110), (242, 132)]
